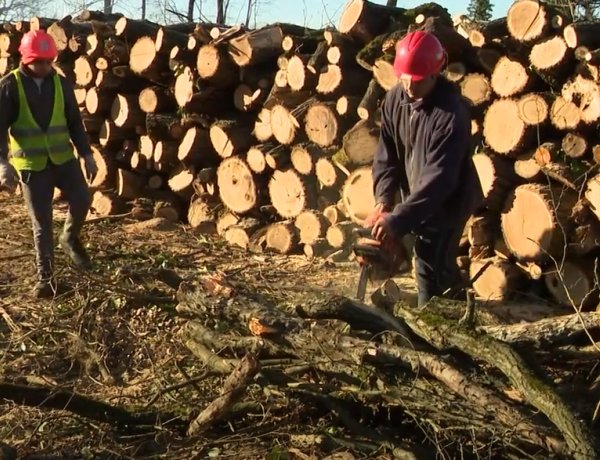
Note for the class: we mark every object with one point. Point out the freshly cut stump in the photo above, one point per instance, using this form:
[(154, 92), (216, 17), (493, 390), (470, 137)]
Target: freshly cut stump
[(574, 285), (311, 225), (282, 237), (534, 221), (503, 129), (237, 186), (533, 109), (498, 281), (290, 194), (527, 20), (509, 78), (357, 194)]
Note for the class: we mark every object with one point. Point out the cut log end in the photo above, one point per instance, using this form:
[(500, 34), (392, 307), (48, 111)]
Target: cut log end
[(533, 109), (237, 187), (509, 77), (289, 194), (503, 128), (526, 20), (357, 194)]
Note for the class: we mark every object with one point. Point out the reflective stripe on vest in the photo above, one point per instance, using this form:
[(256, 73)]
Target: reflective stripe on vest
[(30, 146)]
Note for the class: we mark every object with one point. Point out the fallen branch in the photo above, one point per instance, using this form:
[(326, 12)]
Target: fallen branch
[(444, 334), (233, 388), (559, 330)]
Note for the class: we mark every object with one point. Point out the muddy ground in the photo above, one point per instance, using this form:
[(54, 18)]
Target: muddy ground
[(114, 337)]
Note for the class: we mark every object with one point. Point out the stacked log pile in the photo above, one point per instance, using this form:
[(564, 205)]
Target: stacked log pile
[(267, 136)]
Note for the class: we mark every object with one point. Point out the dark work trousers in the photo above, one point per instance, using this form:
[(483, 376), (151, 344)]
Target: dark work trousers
[(436, 270), (38, 191)]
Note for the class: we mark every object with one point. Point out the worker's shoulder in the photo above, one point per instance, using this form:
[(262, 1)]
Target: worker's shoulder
[(395, 94), (450, 103), (8, 80)]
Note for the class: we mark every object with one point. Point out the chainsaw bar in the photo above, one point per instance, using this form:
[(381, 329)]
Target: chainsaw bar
[(365, 273)]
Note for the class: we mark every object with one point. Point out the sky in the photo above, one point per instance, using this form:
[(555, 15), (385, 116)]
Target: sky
[(318, 12), (312, 13)]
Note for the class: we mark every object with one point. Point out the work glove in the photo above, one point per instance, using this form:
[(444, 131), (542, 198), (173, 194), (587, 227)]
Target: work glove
[(8, 176), (91, 169)]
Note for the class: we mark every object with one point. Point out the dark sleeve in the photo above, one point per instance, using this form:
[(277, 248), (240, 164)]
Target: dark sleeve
[(440, 174), (387, 166), (74, 122), (9, 112)]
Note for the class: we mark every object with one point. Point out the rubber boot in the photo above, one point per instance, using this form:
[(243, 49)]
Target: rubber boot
[(75, 250)]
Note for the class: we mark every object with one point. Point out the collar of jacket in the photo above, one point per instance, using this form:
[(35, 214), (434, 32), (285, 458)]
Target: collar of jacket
[(26, 73), (440, 87)]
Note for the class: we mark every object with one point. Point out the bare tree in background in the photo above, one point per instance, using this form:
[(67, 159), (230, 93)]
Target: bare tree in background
[(11, 10), (579, 9)]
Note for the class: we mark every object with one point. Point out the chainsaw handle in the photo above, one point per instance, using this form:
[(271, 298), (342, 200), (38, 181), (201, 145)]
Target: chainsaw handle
[(363, 231)]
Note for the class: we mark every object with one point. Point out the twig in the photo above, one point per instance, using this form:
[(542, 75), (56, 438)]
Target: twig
[(180, 385)]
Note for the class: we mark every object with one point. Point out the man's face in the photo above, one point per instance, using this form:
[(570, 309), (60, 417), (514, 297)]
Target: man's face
[(40, 67), (417, 89)]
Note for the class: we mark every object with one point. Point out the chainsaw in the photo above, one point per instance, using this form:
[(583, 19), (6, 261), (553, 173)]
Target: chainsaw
[(378, 261)]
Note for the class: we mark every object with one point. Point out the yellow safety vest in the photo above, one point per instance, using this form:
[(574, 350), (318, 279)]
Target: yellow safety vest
[(30, 146)]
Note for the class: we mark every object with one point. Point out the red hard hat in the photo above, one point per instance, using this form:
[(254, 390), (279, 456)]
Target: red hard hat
[(37, 44), (418, 55)]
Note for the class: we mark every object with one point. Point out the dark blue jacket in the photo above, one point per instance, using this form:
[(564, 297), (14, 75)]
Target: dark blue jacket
[(424, 155)]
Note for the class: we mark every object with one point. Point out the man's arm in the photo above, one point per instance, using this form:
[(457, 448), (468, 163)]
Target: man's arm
[(387, 166), (439, 176), (8, 114), (74, 122)]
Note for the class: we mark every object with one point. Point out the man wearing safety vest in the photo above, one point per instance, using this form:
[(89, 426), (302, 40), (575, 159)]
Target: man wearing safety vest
[(39, 118), (424, 155)]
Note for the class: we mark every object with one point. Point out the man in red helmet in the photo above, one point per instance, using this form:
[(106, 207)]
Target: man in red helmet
[(38, 121), (424, 156)]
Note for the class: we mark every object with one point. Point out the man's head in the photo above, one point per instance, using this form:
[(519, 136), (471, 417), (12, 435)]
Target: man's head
[(420, 58), (38, 52)]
